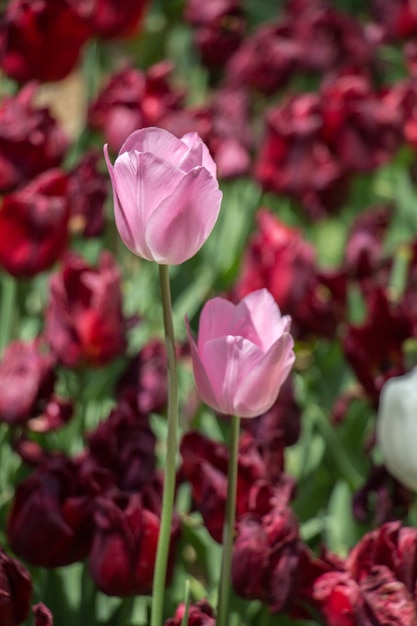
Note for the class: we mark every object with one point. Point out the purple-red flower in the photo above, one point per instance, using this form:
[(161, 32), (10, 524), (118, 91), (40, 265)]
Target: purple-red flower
[(117, 18), (42, 39), (84, 320), (122, 557), (132, 99), (166, 195), (30, 139), (266, 555), (88, 191), (51, 520), (34, 224), (377, 585), (199, 614), (243, 354), (219, 28), (15, 591)]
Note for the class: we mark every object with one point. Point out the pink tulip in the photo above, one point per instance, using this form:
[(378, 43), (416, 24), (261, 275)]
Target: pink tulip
[(243, 354), (166, 195)]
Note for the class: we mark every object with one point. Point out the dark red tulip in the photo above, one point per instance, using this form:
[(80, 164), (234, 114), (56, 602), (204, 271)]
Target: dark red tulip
[(51, 520), (15, 591), (30, 139), (122, 557), (88, 191), (42, 39), (374, 348), (360, 128), (132, 99), (267, 59), (145, 379), (117, 18), (219, 29), (34, 225), (43, 616), (266, 556), (120, 451), (199, 614), (84, 321), (295, 159)]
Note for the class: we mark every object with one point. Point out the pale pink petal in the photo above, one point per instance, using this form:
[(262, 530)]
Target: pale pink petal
[(192, 158), (216, 320), (265, 316), (142, 182), (157, 141), (181, 224), (190, 140), (202, 382), (227, 361), (259, 387), (128, 230)]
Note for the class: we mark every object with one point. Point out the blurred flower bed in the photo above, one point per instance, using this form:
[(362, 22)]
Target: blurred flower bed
[(309, 109)]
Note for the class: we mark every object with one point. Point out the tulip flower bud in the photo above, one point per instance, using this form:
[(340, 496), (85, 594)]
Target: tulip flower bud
[(166, 195), (243, 354), (397, 427)]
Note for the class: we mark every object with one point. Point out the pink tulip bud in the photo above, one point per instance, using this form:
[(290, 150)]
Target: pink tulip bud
[(243, 354), (166, 195)]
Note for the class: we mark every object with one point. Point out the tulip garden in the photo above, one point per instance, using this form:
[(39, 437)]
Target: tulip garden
[(208, 313)]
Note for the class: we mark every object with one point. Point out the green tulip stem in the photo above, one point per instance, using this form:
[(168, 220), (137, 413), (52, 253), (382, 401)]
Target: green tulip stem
[(168, 495), (229, 525)]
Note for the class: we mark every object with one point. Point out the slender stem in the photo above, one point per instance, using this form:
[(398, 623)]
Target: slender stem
[(229, 525), (168, 495), (8, 310)]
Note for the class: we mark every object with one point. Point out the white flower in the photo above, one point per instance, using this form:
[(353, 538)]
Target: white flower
[(397, 427)]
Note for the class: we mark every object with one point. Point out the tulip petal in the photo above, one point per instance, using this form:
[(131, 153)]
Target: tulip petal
[(142, 182), (264, 315), (159, 142), (203, 384), (227, 361), (259, 386), (216, 320), (205, 159), (181, 224)]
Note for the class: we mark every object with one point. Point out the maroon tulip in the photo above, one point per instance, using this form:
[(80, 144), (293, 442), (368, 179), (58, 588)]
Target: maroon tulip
[(219, 29), (34, 224), (27, 380), (358, 126), (88, 191), (84, 321), (117, 18), (279, 259), (120, 451), (51, 520), (122, 557), (397, 17), (267, 59), (199, 614), (15, 591), (43, 616), (266, 556), (295, 159), (373, 348), (377, 584), (132, 100), (329, 40), (42, 39), (363, 251), (30, 140), (145, 379)]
